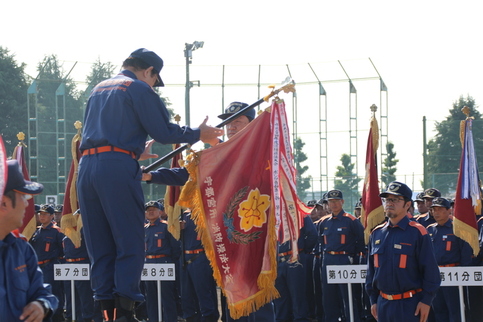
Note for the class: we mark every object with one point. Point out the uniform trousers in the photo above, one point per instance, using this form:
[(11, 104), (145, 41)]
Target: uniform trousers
[(112, 203)]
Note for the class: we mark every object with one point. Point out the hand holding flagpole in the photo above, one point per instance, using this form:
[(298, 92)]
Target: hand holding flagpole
[(287, 86)]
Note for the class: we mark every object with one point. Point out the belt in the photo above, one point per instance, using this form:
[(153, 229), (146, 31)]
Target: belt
[(336, 253), (450, 265), (70, 260), (196, 251), (107, 148), (285, 254), (156, 256), (401, 296), (44, 262)]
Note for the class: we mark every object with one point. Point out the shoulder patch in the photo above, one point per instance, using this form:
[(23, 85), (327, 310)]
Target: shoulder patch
[(420, 227), (349, 216), (432, 225), (379, 226), (164, 221)]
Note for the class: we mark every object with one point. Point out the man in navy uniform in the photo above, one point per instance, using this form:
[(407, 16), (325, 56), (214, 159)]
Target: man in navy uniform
[(291, 279), (121, 112), (85, 306), (427, 219), (161, 247), (342, 244), (23, 296), (47, 243), (450, 251), (402, 273)]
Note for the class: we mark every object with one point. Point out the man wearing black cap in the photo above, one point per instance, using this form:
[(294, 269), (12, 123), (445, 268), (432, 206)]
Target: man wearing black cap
[(450, 251), (22, 292), (161, 247), (121, 112), (47, 243), (427, 219), (403, 275), (343, 243)]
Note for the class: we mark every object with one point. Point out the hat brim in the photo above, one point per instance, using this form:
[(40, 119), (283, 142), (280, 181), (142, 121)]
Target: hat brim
[(30, 188), (385, 194), (159, 82)]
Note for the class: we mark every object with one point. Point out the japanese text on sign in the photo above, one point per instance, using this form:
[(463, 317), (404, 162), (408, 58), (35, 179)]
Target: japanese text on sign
[(158, 272), (450, 276), (71, 272)]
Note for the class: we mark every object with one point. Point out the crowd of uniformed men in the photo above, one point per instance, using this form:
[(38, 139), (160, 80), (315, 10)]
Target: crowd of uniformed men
[(330, 236)]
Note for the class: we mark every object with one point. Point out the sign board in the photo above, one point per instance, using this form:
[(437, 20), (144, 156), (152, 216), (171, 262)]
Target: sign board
[(450, 276), (51, 199), (81, 272), (158, 272), (71, 272)]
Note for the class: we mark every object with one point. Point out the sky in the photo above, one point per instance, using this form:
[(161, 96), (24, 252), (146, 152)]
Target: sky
[(427, 52)]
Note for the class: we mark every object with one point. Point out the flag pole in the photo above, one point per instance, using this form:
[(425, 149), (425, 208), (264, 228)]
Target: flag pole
[(287, 86)]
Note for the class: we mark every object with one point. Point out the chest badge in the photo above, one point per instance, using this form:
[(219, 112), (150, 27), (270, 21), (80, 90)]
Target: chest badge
[(397, 246)]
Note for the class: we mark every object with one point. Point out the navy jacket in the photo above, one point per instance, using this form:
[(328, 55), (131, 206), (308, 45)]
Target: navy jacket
[(21, 280)]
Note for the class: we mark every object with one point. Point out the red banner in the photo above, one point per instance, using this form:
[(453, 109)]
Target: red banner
[(468, 194), (71, 224), (372, 212), (239, 191), (171, 204), (29, 221)]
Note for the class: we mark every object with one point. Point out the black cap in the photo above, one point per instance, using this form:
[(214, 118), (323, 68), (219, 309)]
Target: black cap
[(334, 194), (419, 197), (152, 59), (152, 204), (58, 208), (47, 208), (311, 203), (431, 193), (16, 182), (397, 188), (235, 107), (441, 202), (358, 204)]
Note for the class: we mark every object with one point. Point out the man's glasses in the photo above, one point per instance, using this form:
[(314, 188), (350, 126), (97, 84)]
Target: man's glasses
[(392, 200)]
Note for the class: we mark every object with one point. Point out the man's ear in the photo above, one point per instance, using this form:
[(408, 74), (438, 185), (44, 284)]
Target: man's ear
[(5, 202)]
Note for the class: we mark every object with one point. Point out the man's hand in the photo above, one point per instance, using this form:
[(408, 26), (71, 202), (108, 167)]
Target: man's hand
[(33, 312), (146, 176), (423, 311), (374, 310), (147, 151), (209, 133)]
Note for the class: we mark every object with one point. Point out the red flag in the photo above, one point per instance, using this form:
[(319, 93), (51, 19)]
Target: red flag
[(372, 212), (238, 191), (171, 204), (468, 194), (29, 220), (71, 224)]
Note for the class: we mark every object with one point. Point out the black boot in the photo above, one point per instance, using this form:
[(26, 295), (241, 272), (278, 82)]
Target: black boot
[(125, 310), (107, 309)]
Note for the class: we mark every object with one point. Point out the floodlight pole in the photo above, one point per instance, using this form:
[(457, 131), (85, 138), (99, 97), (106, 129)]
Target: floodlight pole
[(188, 54)]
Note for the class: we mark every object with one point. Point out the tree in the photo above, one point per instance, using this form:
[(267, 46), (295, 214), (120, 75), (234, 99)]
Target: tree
[(347, 181), (303, 183), (13, 99), (390, 163), (444, 150)]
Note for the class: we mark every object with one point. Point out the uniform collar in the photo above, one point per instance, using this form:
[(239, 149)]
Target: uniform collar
[(339, 214), (128, 73), (155, 223), (48, 226), (403, 223), (448, 223)]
